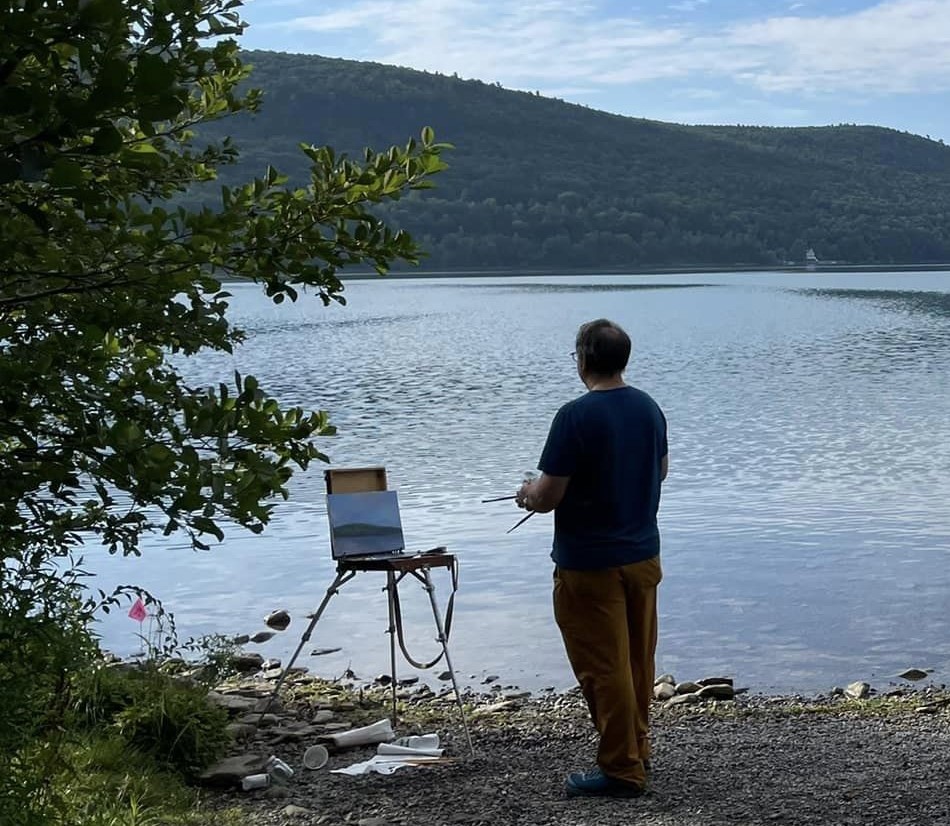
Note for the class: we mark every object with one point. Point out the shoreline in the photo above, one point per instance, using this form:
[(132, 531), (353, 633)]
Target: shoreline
[(793, 760), (610, 272), (648, 271)]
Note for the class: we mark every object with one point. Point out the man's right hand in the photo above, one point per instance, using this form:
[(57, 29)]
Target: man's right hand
[(521, 497)]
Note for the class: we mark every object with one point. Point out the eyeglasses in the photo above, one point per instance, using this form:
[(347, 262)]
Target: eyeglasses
[(574, 355)]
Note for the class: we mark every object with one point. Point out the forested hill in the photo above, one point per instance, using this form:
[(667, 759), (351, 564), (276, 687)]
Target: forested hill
[(539, 183)]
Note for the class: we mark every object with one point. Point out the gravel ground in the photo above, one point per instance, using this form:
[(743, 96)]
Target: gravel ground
[(776, 761)]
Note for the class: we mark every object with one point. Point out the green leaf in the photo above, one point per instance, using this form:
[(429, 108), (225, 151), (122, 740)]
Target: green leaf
[(166, 107), (107, 140), (153, 75), (98, 12), (66, 174)]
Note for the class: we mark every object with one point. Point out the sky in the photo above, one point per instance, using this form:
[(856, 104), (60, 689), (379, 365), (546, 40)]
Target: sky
[(763, 62)]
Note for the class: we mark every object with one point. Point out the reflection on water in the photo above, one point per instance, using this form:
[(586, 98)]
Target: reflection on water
[(805, 525)]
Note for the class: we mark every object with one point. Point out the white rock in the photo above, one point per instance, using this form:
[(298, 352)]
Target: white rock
[(663, 691), (682, 700), (858, 690), (665, 678), (504, 705)]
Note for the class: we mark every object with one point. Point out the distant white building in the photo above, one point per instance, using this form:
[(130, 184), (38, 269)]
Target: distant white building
[(811, 260)]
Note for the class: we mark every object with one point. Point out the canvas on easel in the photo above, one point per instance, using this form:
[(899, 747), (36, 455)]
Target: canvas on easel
[(365, 524)]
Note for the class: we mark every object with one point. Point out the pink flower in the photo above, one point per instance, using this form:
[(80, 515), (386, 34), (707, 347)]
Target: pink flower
[(137, 611)]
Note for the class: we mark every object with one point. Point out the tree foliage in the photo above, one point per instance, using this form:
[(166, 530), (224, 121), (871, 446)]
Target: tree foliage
[(107, 281), (103, 279), (540, 183)]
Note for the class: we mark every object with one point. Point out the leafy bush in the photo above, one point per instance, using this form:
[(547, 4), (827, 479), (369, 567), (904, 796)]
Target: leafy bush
[(155, 713), (174, 723)]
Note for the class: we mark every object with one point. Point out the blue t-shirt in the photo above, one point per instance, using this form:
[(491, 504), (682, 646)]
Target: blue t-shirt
[(611, 443)]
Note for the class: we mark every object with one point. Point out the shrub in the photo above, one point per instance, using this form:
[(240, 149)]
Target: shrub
[(173, 722)]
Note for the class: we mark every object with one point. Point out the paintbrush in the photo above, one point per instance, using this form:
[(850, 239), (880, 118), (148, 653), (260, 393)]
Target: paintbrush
[(521, 521)]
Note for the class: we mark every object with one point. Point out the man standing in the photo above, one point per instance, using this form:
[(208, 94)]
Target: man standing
[(601, 470)]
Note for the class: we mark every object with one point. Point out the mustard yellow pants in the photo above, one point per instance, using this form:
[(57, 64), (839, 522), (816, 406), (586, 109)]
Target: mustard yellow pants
[(608, 622)]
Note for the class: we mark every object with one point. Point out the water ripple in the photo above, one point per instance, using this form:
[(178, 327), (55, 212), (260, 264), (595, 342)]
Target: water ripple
[(805, 524)]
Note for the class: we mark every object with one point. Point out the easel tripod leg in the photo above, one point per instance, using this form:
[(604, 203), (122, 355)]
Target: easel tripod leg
[(430, 589), (341, 578), (391, 595)]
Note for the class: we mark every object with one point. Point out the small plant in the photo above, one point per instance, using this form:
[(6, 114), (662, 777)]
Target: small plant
[(153, 712), (110, 784), (214, 662), (175, 724)]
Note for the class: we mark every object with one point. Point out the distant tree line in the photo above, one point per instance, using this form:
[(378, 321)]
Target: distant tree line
[(535, 182)]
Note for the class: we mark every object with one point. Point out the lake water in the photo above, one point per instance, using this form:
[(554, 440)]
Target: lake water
[(805, 522)]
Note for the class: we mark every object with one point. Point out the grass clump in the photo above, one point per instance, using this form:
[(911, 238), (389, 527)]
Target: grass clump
[(108, 783), (167, 718)]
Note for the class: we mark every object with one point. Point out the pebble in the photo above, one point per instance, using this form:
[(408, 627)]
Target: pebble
[(504, 705), (858, 690), (716, 691), (664, 692), (261, 636), (246, 662), (233, 703), (682, 700), (295, 811), (278, 620), (240, 731)]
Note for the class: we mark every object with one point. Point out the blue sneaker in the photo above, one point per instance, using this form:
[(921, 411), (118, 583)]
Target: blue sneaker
[(597, 784)]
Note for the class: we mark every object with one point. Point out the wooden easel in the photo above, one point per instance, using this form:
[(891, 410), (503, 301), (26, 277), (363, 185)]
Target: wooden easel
[(359, 480)]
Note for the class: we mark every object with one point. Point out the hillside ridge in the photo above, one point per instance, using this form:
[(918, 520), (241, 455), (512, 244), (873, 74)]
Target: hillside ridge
[(538, 182)]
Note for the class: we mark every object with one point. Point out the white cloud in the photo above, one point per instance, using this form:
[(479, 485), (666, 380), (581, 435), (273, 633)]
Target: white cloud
[(893, 47), (890, 47), (687, 5)]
